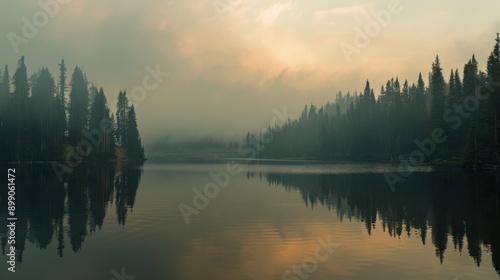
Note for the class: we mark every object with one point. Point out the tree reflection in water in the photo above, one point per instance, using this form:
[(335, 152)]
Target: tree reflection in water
[(43, 203), (440, 204)]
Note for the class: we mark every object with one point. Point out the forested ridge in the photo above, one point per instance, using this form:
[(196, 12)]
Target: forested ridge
[(453, 119), (42, 120)]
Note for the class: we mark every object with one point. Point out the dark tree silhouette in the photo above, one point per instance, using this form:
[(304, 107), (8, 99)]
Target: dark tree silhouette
[(388, 127), (133, 144), (78, 107), (37, 122)]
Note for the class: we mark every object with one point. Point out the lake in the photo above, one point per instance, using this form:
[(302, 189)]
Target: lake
[(240, 221)]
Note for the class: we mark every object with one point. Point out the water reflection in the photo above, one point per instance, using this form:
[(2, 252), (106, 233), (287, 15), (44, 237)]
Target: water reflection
[(49, 210), (251, 230), (442, 203)]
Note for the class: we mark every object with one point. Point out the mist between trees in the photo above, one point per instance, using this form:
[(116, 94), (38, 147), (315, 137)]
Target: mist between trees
[(364, 127), (64, 122), (39, 122)]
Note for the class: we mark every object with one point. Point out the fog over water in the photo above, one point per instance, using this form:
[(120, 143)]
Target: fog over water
[(226, 76)]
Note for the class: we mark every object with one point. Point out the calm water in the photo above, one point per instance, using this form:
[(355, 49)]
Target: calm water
[(269, 220)]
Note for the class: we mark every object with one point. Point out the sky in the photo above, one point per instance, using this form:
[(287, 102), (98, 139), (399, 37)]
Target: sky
[(232, 64)]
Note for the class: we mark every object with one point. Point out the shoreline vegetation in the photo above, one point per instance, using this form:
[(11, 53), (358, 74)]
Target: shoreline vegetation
[(120, 157), (41, 121), (438, 122), (449, 124)]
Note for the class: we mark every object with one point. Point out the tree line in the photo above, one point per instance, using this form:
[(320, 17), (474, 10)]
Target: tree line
[(464, 110), (43, 120), (423, 209)]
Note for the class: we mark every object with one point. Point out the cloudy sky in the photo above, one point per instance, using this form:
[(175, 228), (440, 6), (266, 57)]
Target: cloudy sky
[(231, 63)]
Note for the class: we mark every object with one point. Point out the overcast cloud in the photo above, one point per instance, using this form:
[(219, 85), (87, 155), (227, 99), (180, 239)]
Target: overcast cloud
[(227, 75)]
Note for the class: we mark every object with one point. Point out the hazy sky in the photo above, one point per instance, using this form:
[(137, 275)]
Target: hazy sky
[(226, 76)]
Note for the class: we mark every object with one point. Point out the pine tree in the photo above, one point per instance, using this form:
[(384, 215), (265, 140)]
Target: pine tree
[(33, 116), (8, 119), (437, 94), (5, 85), (470, 77), (93, 92), (20, 81), (61, 111), (134, 149), (458, 85), (78, 107), (99, 113), (5, 119), (452, 89), (420, 95), (23, 144), (482, 146), (468, 128), (113, 128), (492, 107), (493, 64), (121, 118), (44, 114), (456, 142)]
